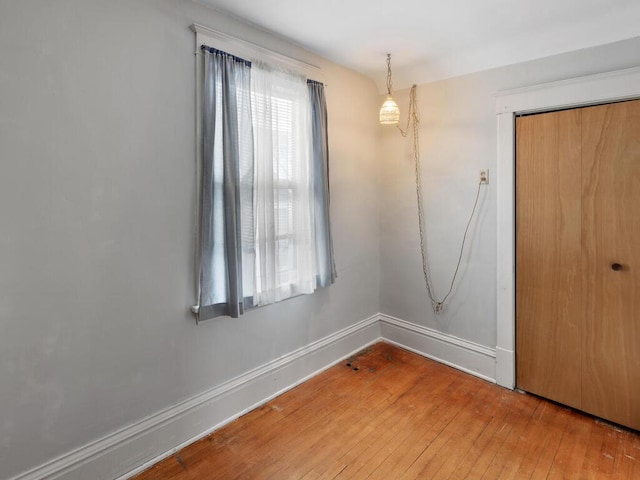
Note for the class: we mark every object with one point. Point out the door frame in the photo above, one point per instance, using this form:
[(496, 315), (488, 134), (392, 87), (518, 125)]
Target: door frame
[(575, 92)]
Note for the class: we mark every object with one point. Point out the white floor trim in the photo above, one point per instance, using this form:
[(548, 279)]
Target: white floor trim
[(467, 356), (132, 449)]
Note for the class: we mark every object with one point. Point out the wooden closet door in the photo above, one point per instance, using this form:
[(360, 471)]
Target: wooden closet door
[(611, 234), (548, 255)]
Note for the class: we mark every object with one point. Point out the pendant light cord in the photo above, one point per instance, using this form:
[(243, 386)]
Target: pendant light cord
[(413, 120), (389, 80)]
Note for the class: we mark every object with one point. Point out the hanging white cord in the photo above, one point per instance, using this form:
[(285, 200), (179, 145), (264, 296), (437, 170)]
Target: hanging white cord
[(413, 119)]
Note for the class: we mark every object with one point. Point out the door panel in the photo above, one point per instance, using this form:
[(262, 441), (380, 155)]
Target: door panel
[(548, 255), (611, 234)]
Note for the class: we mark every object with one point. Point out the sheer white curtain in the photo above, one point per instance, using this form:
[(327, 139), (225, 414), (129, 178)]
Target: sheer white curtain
[(283, 188)]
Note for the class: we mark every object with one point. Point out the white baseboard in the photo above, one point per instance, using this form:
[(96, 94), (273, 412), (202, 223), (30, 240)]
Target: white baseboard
[(134, 448), (505, 368), (461, 354)]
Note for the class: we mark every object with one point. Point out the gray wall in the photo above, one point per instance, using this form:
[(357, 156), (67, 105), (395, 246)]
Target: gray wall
[(97, 201), (458, 138)]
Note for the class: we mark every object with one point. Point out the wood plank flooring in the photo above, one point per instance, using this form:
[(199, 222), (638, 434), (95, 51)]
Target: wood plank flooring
[(390, 414)]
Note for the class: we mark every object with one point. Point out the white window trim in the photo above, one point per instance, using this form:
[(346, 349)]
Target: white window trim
[(250, 51), (575, 92)]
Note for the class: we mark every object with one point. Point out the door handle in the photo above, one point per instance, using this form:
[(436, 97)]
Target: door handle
[(616, 266)]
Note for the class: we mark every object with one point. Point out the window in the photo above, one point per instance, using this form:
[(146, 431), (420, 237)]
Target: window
[(264, 229)]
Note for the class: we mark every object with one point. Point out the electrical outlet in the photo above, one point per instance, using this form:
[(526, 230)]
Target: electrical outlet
[(484, 176)]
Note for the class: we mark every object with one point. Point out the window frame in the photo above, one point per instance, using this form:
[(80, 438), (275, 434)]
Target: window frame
[(249, 51)]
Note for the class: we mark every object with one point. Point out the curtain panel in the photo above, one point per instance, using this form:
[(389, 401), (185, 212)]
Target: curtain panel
[(285, 240), (226, 223), (325, 261)]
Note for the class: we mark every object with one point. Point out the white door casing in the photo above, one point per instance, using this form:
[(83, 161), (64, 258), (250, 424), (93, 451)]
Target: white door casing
[(575, 92)]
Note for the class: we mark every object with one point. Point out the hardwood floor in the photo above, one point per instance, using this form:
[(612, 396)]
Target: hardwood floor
[(390, 414)]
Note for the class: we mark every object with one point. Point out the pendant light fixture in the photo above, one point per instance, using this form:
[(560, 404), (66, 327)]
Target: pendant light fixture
[(389, 112)]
